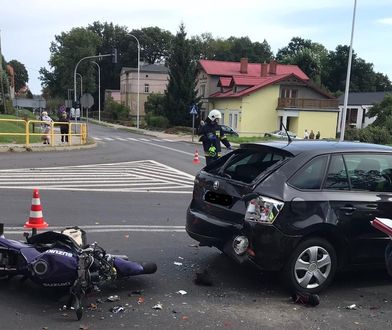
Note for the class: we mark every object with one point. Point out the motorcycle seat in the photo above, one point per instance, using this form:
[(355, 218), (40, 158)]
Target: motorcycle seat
[(51, 237)]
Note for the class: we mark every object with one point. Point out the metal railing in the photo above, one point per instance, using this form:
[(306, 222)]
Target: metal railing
[(77, 132), (284, 102)]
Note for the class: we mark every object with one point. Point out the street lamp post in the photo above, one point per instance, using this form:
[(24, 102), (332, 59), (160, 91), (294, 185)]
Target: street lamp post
[(81, 93), (99, 90), (81, 83), (76, 68), (346, 91), (138, 81)]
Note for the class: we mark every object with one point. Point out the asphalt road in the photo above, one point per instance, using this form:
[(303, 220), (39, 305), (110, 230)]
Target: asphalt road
[(132, 198)]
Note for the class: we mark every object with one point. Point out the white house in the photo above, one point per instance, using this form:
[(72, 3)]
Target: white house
[(358, 106)]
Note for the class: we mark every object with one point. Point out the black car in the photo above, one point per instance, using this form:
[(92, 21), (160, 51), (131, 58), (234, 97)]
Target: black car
[(301, 208)]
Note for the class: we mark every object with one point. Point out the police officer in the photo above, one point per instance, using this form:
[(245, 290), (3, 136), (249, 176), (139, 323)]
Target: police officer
[(212, 135)]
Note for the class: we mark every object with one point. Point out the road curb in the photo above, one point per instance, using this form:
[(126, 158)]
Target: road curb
[(41, 148)]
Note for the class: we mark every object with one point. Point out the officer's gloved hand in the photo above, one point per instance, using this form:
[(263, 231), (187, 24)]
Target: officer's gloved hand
[(211, 137)]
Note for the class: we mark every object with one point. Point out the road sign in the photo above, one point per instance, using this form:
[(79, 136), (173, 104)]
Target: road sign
[(193, 110), (87, 100)]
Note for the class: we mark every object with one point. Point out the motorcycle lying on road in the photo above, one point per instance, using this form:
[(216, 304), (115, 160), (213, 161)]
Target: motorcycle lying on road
[(54, 259), (385, 225)]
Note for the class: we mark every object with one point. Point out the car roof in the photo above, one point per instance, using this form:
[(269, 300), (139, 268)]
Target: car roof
[(319, 146)]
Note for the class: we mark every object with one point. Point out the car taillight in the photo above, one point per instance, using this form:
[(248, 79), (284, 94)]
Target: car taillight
[(263, 209)]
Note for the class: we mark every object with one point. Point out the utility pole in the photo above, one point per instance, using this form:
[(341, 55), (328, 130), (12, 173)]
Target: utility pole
[(1, 78)]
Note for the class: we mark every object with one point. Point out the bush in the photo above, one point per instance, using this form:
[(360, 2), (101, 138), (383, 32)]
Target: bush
[(157, 121), (116, 111), (370, 134)]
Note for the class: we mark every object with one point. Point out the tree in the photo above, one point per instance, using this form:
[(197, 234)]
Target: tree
[(180, 94), (155, 104), (310, 56), (21, 75), (66, 51), (154, 43), (363, 78), (231, 49), (295, 46), (383, 111)]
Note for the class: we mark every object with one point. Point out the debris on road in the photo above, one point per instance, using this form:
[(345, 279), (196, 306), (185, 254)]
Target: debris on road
[(182, 292), (178, 263), (139, 292), (304, 298), (113, 298), (140, 300), (203, 278), (117, 309), (158, 306), (352, 307)]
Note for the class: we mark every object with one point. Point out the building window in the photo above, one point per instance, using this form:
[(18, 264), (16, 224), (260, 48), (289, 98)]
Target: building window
[(351, 116), (289, 93), (202, 90), (146, 88)]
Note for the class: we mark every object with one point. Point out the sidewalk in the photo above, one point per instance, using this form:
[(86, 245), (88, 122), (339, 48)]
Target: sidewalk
[(59, 146)]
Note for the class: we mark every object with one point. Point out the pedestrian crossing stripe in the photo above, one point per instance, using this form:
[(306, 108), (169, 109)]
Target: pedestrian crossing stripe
[(137, 176), (130, 139)]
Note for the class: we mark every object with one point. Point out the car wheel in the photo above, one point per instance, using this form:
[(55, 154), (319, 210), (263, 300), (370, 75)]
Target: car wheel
[(311, 267)]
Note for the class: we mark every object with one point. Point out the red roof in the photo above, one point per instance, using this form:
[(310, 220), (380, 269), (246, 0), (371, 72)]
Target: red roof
[(224, 81), (222, 68), (265, 81)]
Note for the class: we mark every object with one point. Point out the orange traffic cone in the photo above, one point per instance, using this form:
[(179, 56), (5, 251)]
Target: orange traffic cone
[(36, 219), (196, 159)]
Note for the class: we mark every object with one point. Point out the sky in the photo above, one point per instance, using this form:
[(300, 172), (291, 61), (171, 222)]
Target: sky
[(27, 27)]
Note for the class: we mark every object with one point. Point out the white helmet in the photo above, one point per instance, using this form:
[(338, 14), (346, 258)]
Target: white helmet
[(214, 114)]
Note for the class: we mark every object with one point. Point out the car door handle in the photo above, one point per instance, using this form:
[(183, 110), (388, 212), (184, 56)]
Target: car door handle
[(348, 209)]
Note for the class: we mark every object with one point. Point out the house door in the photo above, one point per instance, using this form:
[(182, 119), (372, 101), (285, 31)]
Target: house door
[(233, 119)]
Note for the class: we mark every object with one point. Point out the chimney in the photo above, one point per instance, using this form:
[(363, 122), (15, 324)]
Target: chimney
[(244, 65), (272, 67), (263, 69)]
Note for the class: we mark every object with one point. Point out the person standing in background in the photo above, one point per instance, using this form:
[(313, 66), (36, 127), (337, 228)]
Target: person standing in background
[(64, 128), (46, 127)]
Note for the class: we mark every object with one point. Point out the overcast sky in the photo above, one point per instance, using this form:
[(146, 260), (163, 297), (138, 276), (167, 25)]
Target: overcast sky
[(29, 26)]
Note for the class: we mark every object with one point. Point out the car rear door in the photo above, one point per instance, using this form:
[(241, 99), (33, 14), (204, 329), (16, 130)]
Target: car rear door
[(359, 190)]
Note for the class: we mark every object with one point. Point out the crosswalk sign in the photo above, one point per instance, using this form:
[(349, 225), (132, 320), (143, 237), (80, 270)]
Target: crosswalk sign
[(193, 110)]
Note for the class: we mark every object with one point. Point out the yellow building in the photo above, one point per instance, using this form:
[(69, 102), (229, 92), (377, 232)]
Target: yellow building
[(258, 98)]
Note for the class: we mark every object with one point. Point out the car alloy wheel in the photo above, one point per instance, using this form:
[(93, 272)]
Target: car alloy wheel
[(311, 266)]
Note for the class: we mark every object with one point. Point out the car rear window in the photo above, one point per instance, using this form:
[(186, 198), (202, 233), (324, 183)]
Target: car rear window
[(247, 164)]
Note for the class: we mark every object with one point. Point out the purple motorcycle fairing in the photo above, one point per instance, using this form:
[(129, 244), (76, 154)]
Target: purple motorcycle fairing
[(127, 268), (61, 271)]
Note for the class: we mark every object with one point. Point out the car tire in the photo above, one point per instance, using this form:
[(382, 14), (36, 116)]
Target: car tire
[(311, 267)]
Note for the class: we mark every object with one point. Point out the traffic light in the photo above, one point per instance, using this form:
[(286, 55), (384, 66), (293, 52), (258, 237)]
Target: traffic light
[(114, 54)]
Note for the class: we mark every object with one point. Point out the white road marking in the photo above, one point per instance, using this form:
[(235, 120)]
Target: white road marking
[(106, 229), (137, 176)]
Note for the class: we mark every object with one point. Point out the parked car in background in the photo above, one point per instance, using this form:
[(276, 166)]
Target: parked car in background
[(301, 209), (281, 134), (227, 130)]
